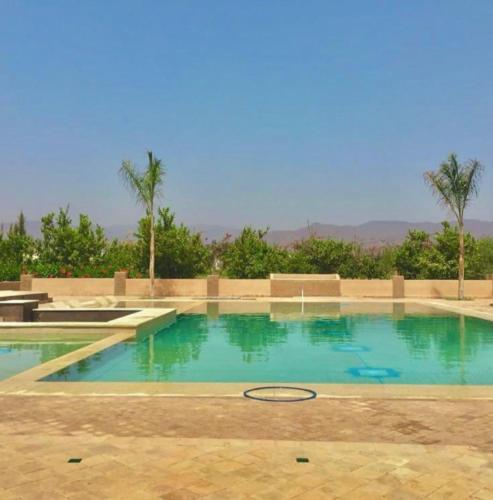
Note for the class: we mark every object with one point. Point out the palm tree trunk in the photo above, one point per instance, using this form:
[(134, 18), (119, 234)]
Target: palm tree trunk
[(152, 255), (461, 260)]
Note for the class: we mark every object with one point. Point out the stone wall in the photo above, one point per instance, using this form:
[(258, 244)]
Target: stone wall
[(305, 287), (10, 285), (167, 288), (366, 288), (244, 288), (73, 286), (447, 288), (215, 287)]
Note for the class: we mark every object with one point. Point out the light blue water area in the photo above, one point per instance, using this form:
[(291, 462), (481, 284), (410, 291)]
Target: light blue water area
[(350, 348), (16, 357)]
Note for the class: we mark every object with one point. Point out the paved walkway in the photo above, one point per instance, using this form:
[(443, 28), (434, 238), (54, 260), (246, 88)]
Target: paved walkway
[(157, 447)]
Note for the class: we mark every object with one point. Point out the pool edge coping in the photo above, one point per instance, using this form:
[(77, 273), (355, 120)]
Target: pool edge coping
[(235, 390)]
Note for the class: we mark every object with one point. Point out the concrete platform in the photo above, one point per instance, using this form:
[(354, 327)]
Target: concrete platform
[(17, 310), (139, 322), (42, 297)]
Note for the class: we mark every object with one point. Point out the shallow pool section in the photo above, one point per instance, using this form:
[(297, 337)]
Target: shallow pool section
[(16, 357), (345, 346)]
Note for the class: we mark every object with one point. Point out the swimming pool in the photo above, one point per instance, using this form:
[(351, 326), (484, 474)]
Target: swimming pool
[(16, 357), (349, 346)]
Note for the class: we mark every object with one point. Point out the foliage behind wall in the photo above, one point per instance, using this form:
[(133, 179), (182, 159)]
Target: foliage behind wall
[(66, 249)]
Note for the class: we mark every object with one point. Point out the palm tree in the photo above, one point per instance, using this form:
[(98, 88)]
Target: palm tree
[(146, 186), (455, 185)]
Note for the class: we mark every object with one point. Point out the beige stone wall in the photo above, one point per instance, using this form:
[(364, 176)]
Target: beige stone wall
[(120, 283), (447, 288), (308, 277), (57, 287), (309, 288), (398, 289), (168, 287), (478, 288), (213, 285), (366, 288), (10, 285), (73, 286), (26, 282), (244, 288)]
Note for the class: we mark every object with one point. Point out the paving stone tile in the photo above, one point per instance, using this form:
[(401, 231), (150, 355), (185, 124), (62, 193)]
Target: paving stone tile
[(207, 459), (483, 494)]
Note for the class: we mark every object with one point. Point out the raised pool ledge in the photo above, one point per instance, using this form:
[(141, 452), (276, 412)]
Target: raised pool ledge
[(104, 334), (60, 327)]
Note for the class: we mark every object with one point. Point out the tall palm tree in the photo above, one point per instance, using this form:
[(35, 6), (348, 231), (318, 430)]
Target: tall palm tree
[(455, 185), (146, 186)]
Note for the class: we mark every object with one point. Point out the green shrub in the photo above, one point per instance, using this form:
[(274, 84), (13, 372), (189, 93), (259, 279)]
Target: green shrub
[(179, 252), (250, 256)]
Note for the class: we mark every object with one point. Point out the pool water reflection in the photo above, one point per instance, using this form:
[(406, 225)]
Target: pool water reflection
[(327, 343)]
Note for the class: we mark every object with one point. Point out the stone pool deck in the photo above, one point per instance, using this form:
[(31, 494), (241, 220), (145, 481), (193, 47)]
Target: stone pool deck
[(186, 448)]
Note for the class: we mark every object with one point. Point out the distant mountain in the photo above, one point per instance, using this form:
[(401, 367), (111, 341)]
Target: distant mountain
[(372, 233), (369, 234), (213, 232)]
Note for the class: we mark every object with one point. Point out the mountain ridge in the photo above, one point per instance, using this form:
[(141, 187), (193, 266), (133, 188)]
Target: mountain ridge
[(371, 233)]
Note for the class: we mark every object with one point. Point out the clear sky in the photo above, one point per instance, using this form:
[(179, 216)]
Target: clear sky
[(265, 112)]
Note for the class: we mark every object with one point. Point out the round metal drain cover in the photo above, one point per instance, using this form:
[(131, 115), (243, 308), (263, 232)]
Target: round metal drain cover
[(280, 394)]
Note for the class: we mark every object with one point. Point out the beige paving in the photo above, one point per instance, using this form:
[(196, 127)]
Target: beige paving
[(146, 448), (36, 467), (462, 423)]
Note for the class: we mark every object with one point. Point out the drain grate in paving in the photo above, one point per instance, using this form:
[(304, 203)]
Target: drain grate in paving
[(302, 460)]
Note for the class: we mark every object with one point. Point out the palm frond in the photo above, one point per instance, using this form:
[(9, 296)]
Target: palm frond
[(441, 189), (134, 181), (473, 174), (147, 185), (154, 176), (454, 185)]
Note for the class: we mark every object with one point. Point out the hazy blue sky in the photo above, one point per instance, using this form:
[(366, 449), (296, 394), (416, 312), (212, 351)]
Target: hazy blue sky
[(265, 112)]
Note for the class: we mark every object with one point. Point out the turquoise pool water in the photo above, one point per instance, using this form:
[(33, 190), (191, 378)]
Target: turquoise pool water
[(16, 357), (363, 348)]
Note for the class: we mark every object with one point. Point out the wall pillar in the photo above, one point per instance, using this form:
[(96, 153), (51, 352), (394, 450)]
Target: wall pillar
[(213, 285), (398, 284), (26, 283), (120, 283)]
